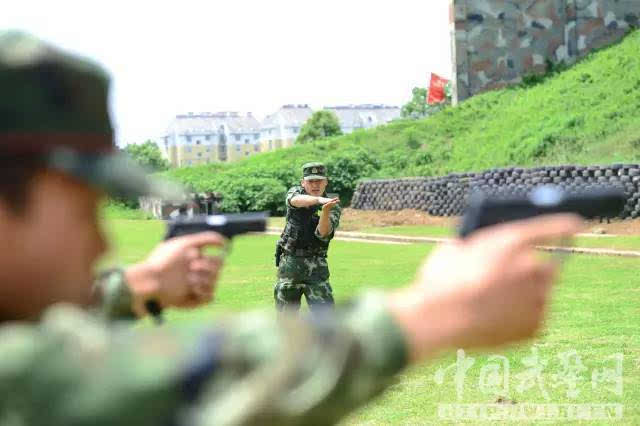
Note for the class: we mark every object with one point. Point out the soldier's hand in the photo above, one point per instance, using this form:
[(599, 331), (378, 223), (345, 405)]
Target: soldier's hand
[(323, 200), (177, 273), (487, 290), (330, 204)]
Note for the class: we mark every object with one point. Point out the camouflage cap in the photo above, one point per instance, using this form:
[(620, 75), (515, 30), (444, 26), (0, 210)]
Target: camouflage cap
[(314, 171), (54, 105)]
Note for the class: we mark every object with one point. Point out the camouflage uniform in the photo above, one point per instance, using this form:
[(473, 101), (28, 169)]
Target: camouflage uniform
[(304, 270), (74, 367)]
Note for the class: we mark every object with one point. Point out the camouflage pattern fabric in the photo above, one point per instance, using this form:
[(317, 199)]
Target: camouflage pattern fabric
[(54, 104), (496, 43), (73, 368), (303, 275), (114, 295), (334, 216), (309, 275)]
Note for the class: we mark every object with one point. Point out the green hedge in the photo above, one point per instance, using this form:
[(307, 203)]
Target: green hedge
[(262, 187)]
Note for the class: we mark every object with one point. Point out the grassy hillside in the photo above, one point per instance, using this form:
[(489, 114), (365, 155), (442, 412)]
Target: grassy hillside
[(587, 114)]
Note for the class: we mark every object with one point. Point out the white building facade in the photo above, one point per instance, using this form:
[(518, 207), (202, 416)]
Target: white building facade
[(200, 138), (366, 116), (193, 139), (280, 129)]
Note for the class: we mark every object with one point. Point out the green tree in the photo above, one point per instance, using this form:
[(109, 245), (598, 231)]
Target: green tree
[(320, 125), (148, 156), (418, 107)]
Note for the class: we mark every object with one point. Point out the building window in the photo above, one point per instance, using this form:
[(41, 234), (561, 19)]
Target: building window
[(238, 148), (256, 147), (256, 136), (189, 149), (294, 129), (188, 138), (246, 154), (199, 154), (237, 137), (246, 141), (197, 142), (208, 149), (207, 137)]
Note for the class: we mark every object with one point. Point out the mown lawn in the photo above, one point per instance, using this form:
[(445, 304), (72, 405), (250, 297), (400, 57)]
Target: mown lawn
[(623, 242), (594, 316)]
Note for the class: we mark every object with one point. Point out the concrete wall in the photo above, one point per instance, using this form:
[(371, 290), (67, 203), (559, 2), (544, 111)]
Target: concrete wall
[(497, 42)]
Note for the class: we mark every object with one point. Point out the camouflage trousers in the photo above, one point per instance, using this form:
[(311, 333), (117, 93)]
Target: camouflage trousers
[(308, 276)]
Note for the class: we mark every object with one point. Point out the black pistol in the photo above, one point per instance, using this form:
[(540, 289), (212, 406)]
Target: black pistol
[(229, 225), (484, 210)]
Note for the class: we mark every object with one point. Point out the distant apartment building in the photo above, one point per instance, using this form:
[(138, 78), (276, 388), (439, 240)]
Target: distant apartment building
[(366, 116), (193, 139), (280, 129)]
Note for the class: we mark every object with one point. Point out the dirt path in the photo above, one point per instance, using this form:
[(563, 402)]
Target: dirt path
[(401, 239), (354, 220)]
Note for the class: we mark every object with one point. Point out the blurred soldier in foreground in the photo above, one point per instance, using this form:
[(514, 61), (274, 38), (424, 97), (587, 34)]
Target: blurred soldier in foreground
[(301, 252), (61, 365)]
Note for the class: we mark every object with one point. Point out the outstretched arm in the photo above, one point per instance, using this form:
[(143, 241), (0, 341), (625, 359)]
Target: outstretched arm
[(175, 274), (488, 290), (308, 201)]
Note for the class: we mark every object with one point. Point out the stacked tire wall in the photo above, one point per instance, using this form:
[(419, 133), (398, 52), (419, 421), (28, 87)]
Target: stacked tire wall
[(447, 195)]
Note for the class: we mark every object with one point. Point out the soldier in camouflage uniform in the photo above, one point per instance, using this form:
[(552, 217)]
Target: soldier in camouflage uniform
[(301, 253), (62, 365)]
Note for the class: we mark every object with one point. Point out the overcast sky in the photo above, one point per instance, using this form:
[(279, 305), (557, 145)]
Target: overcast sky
[(174, 57)]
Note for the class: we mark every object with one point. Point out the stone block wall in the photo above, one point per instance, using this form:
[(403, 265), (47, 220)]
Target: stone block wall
[(447, 195), (497, 42)]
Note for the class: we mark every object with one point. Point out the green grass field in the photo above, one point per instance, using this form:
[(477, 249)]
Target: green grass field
[(622, 242), (595, 312)]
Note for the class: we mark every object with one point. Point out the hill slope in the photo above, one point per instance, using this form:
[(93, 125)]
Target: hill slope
[(587, 114)]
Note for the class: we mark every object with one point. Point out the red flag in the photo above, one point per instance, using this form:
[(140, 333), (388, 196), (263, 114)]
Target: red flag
[(436, 92)]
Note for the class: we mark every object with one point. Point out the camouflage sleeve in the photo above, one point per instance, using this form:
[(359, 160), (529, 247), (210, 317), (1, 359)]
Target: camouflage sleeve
[(247, 369), (334, 221), (114, 296), (296, 190)]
